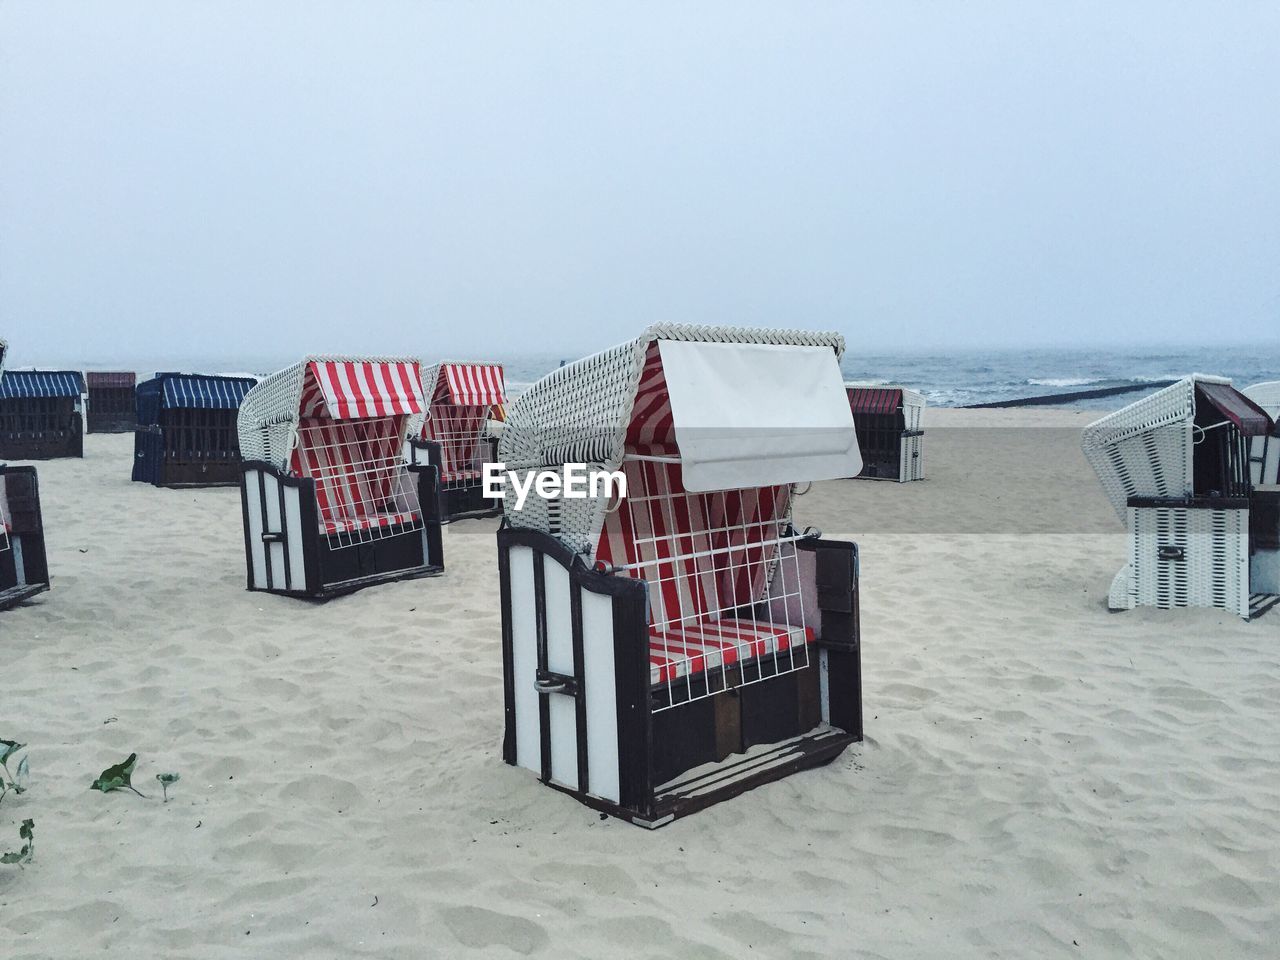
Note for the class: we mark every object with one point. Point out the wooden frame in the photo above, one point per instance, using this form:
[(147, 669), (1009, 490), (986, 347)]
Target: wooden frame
[(111, 406), (188, 448), (41, 428), (459, 502), (581, 711), (24, 569), (286, 552)]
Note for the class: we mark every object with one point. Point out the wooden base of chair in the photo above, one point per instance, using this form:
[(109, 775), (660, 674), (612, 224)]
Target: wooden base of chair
[(13, 596), (288, 554)]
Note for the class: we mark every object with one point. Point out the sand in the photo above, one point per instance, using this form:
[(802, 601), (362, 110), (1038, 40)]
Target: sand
[(1040, 777)]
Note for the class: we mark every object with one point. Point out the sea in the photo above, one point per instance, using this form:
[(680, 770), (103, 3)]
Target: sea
[(947, 378), (957, 378)]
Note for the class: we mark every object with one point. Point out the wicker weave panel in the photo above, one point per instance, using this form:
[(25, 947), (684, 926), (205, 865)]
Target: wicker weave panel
[(1213, 567), (1145, 448), (912, 460)]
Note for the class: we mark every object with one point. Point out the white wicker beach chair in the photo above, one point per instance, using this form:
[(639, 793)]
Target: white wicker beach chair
[(330, 504), (465, 402), (890, 433), (24, 570), (686, 620), (1175, 466)]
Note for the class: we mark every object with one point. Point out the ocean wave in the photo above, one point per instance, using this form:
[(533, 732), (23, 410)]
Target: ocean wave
[(1066, 381)]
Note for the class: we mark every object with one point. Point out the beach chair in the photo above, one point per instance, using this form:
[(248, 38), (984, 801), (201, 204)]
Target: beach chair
[(890, 436), (110, 405), (674, 645), (24, 570), (186, 432), (330, 505), (41, 414), (1176, 467), (458, 436)]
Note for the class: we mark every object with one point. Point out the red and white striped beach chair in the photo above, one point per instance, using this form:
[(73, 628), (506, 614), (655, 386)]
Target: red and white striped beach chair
[(330, 503), (24, 570), (458, 437), (686, 621)]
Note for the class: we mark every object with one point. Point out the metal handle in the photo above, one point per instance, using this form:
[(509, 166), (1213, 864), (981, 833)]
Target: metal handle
[(1171, 553), (549, 685)]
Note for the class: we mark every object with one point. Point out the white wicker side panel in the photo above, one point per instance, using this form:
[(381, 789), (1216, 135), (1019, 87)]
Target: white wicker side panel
[(911, 459), (1210, 562), (600, 681), (1120, 597), (524, 659), (912, 409)]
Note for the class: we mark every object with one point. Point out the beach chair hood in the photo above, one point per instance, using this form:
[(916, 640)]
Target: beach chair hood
[(1146, 448), (332, 388), (739, 407)]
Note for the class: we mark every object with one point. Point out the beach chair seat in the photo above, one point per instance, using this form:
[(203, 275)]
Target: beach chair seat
[(690, 649), (371, 521)]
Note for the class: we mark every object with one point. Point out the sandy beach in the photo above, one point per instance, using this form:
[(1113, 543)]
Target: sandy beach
[(1040, 777)]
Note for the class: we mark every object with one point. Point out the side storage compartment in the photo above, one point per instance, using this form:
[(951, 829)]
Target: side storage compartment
[(1190, 553), (281, 531), (575, 674)]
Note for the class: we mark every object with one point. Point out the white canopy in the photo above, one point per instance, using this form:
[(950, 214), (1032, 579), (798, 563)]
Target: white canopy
[(758, 414)]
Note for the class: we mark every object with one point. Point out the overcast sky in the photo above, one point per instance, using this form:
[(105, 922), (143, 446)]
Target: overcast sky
[(468, 178)]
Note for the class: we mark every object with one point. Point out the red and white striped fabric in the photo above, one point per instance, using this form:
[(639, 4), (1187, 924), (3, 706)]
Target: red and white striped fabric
[(652, 426), (690, 650), (359, 390), (702, 554), (356, 467), (874, 399), (459, 431), (471, 385)]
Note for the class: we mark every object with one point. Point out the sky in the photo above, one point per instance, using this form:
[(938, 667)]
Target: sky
[(470, 179)]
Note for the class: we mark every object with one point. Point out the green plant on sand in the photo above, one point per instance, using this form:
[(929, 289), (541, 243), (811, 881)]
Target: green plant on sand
[(8, 781), (27, 832), (118, 777), (165, 780)]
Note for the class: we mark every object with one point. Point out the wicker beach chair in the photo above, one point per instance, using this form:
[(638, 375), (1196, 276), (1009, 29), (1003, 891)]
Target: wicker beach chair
[(458, 436), (687, 621), (24, 570), (42, 414), (1176, 468), (186, 432), (330, 505), (110, 407), (890, 434)]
